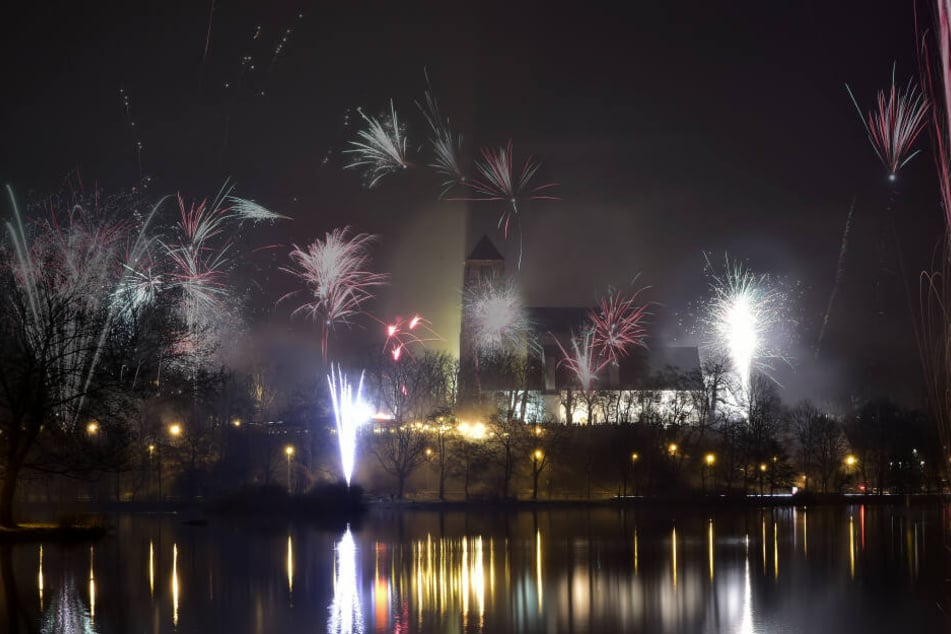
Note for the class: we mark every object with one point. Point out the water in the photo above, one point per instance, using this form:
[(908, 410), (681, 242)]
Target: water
[(830, 569)]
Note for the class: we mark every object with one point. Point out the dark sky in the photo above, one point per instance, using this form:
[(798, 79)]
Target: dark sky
[(672, 128)]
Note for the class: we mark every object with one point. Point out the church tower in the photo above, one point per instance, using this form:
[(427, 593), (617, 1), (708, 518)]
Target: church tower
[(484, 265)]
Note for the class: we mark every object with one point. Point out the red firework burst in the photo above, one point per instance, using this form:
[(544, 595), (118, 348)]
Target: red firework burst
[(618, 324)]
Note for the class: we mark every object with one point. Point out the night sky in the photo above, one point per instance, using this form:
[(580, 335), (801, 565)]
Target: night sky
[(672, 129)]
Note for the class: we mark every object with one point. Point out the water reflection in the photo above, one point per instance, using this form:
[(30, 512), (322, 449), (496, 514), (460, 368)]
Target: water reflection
[(599, 570), (67, 614), (346, 616)]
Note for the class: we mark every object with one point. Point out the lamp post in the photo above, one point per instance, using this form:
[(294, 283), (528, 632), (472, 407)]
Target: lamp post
[(635, 458), (850, 462), (289, 452), (538, 463)]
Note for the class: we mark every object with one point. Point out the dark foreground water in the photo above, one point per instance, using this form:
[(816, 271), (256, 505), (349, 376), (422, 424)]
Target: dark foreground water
[(830, 569)]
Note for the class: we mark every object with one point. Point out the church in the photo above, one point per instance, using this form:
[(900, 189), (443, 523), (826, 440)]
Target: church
[(655, 383)]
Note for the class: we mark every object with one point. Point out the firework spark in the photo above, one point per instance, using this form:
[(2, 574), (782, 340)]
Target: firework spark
[(445, 145), (381, 148), (618, 324), (349, 412), (252, 211), (892, 128), (585, 360), (401, 334), (499, 321), (335, 271), (745, 311), (497, 181)]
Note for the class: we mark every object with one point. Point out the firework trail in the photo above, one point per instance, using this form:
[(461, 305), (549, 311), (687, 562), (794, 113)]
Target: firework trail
[(744, 313), (446, 145), (349, 412), (381, 148), (282, 43), (249, 210), (618, 324), (127, 111), (894, 125), (497, 181), (211, 17), (336, 273), (401, 334), (839, 272), (499, 321), (585, 360)]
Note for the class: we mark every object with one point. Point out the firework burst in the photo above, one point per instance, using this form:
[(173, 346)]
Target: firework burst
[(445, 145), (497, 181), (499, 320), (899, 117), (585, 360), (401, 334), (745, 313), (381, 147), (349, 413), (249, 210), (335, 272), (618, 324)]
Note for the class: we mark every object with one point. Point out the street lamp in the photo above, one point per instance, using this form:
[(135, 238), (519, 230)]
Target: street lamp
[(175, 430), (634, 458), (709, 460), (92, 428), (672, 448), (538, 464), (289, 452)]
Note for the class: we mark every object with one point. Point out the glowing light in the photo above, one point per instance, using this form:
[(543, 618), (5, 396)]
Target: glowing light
[(92, 428), (710, 546), (151, 568), (850, 460), (92, 587), (472, 431), (350, 412), (290, 565), (175, 430), (744, 312), (672, 448), (584, 361), (346, 616), (673, 555), (39, 578), (710, 459), (851, 548), (175, 588)]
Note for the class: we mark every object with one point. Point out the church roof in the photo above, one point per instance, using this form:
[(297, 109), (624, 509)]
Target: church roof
[(485, 250)]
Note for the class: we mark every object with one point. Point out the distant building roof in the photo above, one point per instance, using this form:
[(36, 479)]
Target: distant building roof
[(486, 251)]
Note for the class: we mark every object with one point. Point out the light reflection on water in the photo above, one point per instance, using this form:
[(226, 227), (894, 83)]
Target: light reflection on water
[(588, 570)]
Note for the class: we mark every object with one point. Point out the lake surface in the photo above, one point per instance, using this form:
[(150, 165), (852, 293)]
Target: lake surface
[(825, 569)]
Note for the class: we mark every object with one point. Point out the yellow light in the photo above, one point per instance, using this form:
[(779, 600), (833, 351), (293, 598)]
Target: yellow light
[(850, 460), (429, 452), (92, 427), (289, 450), (634, 457), (151, 448), (175, 430), (236, 422), (672, 448), (762, 466), (710, 459), (538, 454)]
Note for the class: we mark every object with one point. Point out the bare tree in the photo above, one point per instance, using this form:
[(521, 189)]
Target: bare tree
[(822, 444)]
